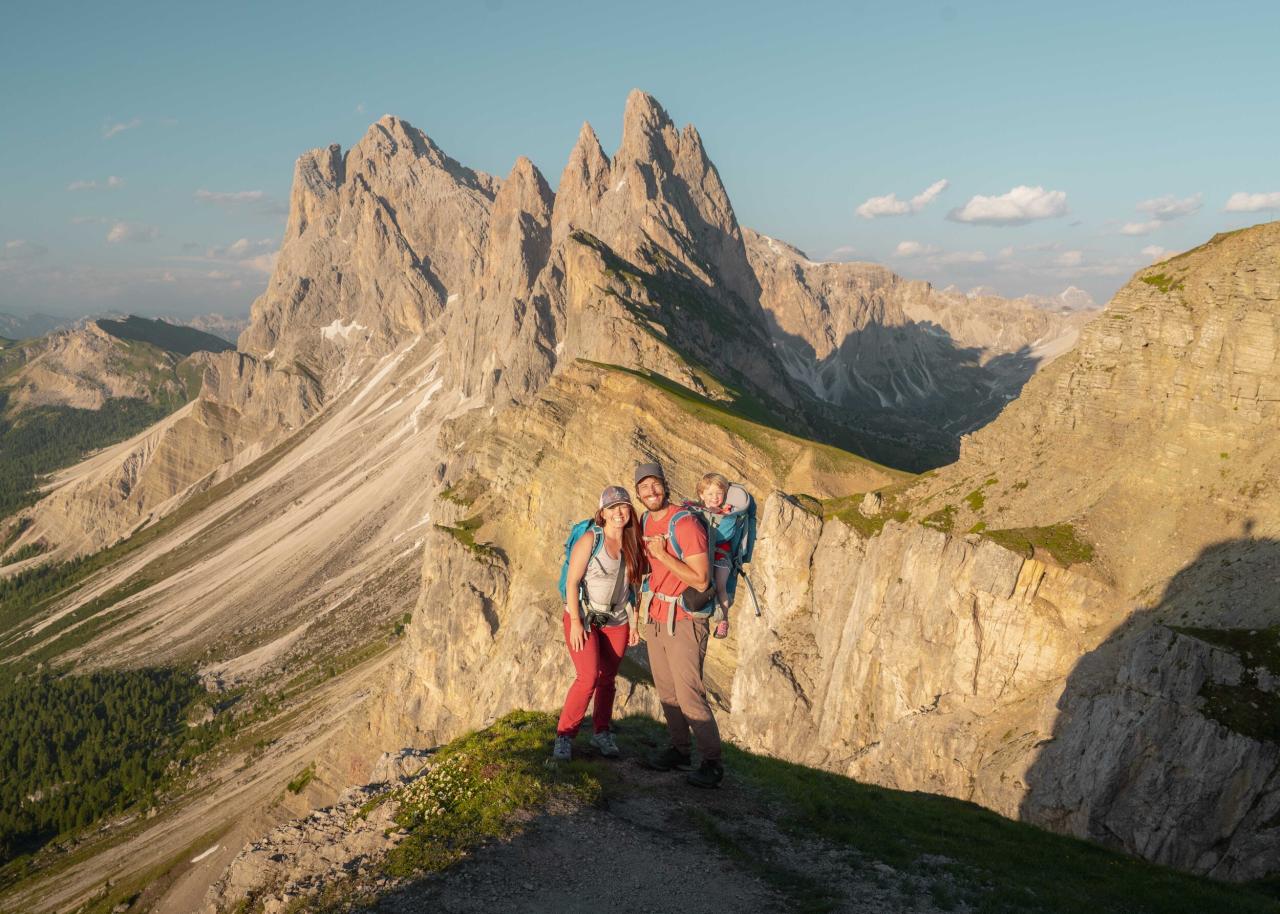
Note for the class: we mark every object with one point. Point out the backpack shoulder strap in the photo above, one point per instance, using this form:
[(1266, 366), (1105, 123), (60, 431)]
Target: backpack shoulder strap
[(671, 530)]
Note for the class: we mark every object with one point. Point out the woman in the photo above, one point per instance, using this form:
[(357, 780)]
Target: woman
[(599, 632)]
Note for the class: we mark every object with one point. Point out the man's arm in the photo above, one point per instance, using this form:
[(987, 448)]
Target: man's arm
[(695, 570)]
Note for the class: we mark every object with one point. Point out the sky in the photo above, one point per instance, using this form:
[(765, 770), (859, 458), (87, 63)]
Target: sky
[(147, 149)]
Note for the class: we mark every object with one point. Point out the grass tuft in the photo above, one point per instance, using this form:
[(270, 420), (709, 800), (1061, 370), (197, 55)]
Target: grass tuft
[(1059, 540), (475, 789)]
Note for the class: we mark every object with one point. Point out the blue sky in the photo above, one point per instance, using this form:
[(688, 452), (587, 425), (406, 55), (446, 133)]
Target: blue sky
[(148, 147)]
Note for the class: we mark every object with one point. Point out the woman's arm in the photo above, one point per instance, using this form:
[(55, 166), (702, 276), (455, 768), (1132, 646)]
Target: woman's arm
[(578, 558)]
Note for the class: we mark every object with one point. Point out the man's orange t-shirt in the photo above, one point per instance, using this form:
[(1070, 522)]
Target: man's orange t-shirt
[(692, 537)]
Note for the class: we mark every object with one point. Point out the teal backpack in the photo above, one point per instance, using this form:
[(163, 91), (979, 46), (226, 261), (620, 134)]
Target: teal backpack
[(575, 533)]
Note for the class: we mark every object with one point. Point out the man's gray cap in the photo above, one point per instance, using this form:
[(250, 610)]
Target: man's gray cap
[(646, 470)]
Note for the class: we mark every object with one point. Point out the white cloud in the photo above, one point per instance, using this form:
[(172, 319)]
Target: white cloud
[(935, 256), (1069, 259), (253, 200), (844, 251), (118, 128), (360, 108), (1140, 228), (1019, 206), (1169, 207), (242, 249), (928, 195), (1251, 203), (954, 257), (111, 182), (230, 198), (1156, 253), (22, 249), (1006, 252), (890, 205), (263, 263), (131, 232)]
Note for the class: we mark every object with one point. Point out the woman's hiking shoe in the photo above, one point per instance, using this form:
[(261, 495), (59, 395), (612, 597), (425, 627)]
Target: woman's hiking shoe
[(721, 630), (667, 759), (709, 774), (563, 751), (603, 741)]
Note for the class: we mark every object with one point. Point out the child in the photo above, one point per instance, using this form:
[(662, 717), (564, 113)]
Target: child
[(712, 489)]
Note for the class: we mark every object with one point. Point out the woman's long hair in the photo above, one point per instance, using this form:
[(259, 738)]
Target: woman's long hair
[(632, 554)]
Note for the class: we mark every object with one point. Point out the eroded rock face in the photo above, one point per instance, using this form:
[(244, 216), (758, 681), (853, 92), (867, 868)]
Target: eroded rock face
[(924, 661), (1136, 761), (377, 241), (245, 403), (922, 365), (1156, 434)]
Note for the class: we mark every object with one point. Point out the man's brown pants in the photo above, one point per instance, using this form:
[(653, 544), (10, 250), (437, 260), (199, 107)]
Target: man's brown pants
[(676, 663)]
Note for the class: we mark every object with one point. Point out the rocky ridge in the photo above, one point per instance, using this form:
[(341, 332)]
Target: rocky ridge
[(85, 366)]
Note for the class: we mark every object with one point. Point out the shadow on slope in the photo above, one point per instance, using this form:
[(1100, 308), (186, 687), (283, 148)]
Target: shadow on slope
[(1167, 742), (905, 394)]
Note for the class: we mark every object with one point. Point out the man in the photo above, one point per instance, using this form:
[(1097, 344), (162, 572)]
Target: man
[(676, 653)]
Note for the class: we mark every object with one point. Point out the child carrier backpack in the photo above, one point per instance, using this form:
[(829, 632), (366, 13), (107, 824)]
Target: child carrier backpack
[(736, 527)]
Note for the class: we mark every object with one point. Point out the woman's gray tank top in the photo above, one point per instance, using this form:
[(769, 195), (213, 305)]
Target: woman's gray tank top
[(606, 581)]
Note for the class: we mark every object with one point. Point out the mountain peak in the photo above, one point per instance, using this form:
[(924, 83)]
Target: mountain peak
[(645, 126), (643, 107)]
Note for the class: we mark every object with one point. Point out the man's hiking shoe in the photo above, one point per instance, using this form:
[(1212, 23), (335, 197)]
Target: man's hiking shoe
[(603, 741), (721, 630), (709, 774), (563, 751), (667, 759)]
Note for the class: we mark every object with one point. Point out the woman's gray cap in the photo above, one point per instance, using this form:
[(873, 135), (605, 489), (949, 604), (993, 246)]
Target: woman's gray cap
[(646, 470), (614, 495)]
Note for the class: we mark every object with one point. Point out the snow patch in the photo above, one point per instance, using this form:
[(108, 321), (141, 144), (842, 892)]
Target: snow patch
[(451, 299), (199, 857), (339, 329), (416, 419)]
